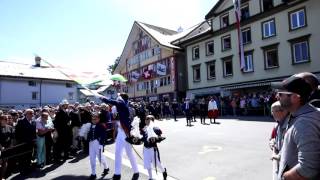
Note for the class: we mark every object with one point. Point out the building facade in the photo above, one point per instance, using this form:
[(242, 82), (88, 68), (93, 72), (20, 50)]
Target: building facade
[(280, 38), (155, 69)]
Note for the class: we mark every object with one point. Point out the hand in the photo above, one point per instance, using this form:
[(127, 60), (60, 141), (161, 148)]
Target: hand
[(272, 143), (152, 139)]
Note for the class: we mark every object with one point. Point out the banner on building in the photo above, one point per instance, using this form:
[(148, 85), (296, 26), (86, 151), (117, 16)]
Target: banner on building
[(173, 72), (134, 76), (161, 69)]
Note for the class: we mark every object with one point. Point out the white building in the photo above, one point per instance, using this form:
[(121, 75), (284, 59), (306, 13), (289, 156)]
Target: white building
[(280, 38), (25, 85)]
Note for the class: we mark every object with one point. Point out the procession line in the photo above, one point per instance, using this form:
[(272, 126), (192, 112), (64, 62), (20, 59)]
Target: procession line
[(126, 162)]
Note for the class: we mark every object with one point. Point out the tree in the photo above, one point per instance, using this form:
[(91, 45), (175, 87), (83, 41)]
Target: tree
[(113, 66)]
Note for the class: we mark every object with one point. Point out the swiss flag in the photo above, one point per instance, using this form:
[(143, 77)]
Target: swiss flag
[(146, 74)]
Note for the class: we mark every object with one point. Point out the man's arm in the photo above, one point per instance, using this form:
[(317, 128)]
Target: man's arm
[(306, 137), (110, 101), (292, 174)]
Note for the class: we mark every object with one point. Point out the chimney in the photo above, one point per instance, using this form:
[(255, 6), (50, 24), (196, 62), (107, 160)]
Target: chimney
[(37, 61)]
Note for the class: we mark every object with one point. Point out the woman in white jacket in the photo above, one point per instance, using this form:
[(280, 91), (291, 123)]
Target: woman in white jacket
[(212, 110)]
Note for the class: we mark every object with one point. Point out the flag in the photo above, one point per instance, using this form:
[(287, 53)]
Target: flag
[(146, 74), (161, 69), (134, 76), (238, 19)]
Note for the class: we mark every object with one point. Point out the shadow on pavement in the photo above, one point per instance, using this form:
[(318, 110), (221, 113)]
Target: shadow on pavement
[(248, 118), (37, 173), (79, 157), (71, 177)]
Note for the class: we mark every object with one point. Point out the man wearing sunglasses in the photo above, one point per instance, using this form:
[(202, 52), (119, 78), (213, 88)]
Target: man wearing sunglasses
[(300, 154)]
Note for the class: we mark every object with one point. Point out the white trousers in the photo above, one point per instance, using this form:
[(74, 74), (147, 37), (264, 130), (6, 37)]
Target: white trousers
[(149, 160), (95, 151), (121, 144)]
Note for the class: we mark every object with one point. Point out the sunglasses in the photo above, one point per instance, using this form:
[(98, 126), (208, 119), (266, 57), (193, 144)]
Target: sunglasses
[(280, 94)]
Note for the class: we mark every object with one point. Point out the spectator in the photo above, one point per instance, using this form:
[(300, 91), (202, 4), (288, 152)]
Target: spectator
[(25, 136), (300, 154)]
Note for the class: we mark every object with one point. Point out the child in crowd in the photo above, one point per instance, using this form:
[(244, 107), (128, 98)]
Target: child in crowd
[(95, 133), (151, 155)]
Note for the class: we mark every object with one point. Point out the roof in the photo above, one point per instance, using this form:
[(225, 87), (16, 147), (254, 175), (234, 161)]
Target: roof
[(164, 36), (198, 30), (215, 7), (12, 69), (20, 70)]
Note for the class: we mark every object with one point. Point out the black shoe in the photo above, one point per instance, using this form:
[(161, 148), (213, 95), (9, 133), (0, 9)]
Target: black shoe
[(92, 177), (135, 176), (165, 174), (105, 172), (116, 177)]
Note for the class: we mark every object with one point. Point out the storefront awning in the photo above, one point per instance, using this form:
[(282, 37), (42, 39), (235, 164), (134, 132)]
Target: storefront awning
[(240, 86)]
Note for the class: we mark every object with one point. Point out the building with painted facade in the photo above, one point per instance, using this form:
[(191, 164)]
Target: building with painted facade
[(155, 68)]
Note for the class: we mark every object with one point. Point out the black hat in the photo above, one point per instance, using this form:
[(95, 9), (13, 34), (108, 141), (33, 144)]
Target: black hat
[(293, 84)]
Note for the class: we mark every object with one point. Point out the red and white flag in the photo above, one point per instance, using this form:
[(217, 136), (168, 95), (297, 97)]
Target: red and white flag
[(237, 8)]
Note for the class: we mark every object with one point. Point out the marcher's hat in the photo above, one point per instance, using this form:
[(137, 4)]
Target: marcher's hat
[(293, 84)]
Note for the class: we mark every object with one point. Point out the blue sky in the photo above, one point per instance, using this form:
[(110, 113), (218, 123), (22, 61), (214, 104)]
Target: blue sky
[(85, 34)]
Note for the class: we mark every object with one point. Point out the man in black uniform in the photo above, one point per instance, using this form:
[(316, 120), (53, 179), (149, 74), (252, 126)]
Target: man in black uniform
[(26, 136), (62, 124)]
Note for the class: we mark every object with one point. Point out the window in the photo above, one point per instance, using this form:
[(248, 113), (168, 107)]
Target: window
[(224, 20), (267, 5), (196, 73), (268, 28), (32, 83), (245, 12), (34, 95), (68, 85), (297, 19), (209, 48), (226, 42), (169, 80), (300, 52), (246, 36), (300, 49), (270, 55), (248, 61), (195, 53), (227, 66), (71, 95), (211, 70)]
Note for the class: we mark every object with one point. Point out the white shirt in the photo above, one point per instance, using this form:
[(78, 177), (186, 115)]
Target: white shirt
[(212, 105)]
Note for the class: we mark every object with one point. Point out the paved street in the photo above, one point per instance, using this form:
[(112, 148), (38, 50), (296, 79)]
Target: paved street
[(233, 149)]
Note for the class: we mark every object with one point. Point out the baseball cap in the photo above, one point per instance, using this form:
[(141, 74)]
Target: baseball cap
[(293, 84)]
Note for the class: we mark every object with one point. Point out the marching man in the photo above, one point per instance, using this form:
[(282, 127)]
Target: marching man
[(124, 128)]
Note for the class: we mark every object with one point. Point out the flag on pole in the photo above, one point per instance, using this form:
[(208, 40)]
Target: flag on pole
[(237, 6)]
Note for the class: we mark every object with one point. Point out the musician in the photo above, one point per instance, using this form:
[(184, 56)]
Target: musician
[(151, 155), (123, 129)]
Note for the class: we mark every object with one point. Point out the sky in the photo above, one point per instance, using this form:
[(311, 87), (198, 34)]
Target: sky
[(85, 34)]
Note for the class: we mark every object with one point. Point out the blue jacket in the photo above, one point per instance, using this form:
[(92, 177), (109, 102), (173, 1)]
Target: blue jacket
[(123, 111)]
